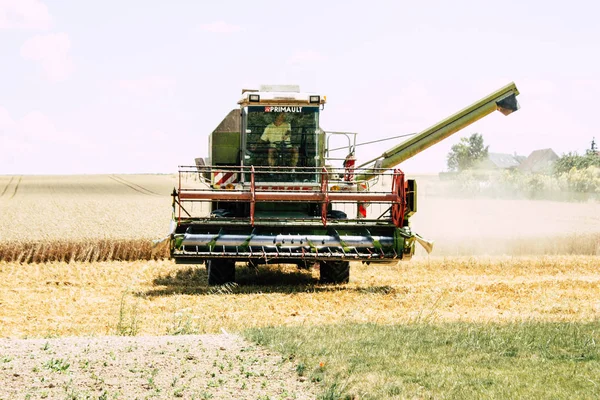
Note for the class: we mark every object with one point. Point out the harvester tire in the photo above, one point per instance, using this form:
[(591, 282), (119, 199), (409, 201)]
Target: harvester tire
[(334, 272), (220, 272)]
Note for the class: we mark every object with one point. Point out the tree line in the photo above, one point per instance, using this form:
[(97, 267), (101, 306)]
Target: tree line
[(570, 172)]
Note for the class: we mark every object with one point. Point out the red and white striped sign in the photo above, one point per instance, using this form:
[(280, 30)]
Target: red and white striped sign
[(225, 177)]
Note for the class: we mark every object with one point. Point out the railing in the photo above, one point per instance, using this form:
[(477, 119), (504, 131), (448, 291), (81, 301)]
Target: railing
[(200, 186)]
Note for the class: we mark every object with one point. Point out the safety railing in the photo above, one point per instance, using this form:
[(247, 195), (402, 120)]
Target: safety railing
[(325, 188)]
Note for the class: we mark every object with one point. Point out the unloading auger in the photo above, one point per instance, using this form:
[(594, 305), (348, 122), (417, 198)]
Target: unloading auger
[(270, 192)]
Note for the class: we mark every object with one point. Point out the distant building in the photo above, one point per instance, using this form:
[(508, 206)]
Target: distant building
[(539, 162), (500, 161)]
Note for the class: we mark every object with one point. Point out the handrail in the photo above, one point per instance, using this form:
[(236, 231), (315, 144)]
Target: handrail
[(252, 195), (322, 192), (325, 196)]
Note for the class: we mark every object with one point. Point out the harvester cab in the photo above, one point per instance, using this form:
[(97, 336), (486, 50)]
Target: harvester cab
[(281, 129), (273, 191)]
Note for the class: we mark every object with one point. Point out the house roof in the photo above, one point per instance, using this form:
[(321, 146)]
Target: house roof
[(501, 161), (539, 161)]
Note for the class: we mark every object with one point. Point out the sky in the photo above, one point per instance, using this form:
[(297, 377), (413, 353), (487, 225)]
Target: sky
[(91, 87)]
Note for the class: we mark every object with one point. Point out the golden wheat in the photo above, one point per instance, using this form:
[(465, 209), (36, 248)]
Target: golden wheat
[(93, 298), (83, 218), (81, 251), (76, 208)]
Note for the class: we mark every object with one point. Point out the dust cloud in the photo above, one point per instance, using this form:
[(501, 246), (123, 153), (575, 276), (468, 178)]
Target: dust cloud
[(466, 224)]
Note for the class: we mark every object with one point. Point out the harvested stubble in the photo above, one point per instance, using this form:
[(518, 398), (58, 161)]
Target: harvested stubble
[(158, 297)]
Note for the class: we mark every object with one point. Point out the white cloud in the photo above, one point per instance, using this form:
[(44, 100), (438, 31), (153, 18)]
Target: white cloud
[(24, 14), (220, 27), (147, 86), (301, 57), (52, 52)]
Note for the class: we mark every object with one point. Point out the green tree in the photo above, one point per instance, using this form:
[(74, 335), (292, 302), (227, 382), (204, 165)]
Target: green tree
[(466, 153), (573, 160)]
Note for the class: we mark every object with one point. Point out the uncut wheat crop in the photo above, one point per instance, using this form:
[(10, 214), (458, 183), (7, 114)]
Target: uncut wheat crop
[(83, 218)]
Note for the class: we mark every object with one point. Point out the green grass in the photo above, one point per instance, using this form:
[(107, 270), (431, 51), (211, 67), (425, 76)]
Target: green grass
[(455, 360), (57, 365)]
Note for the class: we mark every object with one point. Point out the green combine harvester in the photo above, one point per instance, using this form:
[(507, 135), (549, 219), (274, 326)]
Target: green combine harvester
[(272, 190)]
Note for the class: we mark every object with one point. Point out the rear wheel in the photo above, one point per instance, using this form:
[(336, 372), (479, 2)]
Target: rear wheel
[(335, 272), (220, 271)]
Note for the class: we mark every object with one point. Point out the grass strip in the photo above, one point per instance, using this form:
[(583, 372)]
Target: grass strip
[(529, 360)]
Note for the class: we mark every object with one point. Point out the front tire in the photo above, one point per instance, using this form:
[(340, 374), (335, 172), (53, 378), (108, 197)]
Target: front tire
[(334, 272), (220, 272)]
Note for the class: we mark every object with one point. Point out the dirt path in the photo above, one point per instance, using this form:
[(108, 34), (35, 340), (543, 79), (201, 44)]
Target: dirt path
[(158, 367)]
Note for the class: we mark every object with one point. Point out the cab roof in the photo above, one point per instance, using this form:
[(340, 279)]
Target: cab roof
[(280, 94)]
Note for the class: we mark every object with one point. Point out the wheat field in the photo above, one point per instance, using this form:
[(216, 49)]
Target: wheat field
[(84, 218), (76, 258), (115, 217), (85, 207), (160, 297)]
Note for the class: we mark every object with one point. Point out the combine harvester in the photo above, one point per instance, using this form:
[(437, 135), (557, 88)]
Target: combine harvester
[(269, 191)]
